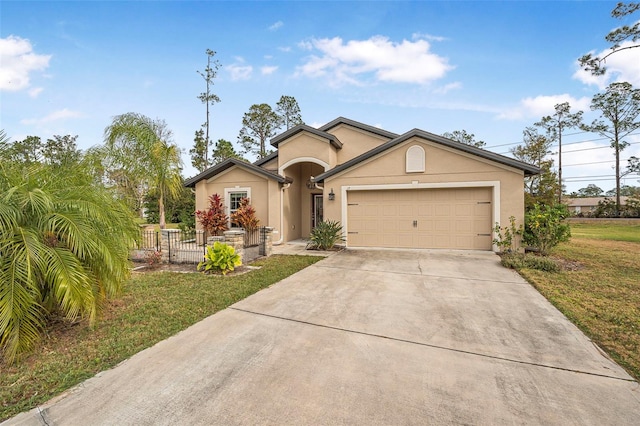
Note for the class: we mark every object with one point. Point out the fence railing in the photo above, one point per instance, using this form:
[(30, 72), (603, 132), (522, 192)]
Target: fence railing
[(149, 240), (186, 246), (252, 238), (189, 246)]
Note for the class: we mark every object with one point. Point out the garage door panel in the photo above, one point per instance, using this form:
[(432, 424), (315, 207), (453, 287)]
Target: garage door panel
[(457, 218)]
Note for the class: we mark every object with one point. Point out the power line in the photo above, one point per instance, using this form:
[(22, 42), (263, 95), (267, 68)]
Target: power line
[(564, 144), (582, 149)]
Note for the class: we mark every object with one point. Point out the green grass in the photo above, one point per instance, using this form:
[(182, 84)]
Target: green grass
[(153, 307), (156, 227), (601, 295), (606, 230)]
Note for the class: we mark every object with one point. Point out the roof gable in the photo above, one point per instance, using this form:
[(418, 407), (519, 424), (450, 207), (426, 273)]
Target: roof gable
[(367, 128), (229, 163), (527, 168), (304, 128)]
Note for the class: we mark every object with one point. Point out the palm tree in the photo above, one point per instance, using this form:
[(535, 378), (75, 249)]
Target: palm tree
[(64, 249), (141, 149)]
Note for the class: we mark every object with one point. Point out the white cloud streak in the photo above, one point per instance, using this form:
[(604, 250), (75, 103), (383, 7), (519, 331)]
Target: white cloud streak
[(18, 62), (239, 71), (276, 26), (268, 70), (62, 114), (357, 61), (543, 105)]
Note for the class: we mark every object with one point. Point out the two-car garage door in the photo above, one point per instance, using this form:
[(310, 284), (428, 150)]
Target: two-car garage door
[(452, 218)]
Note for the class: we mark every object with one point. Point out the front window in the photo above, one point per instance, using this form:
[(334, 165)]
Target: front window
[(232, 197)]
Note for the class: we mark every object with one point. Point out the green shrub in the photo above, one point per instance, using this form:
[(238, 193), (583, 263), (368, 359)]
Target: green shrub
[(505, 237), (545, 227), (220, 258), (325, 235), (521, 261)]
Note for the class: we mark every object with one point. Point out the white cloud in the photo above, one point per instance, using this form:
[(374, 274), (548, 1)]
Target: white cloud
[(35, 92), (276, 26), (18, 61), (61, 114), (623, 65), (305, 45), (268, 70), (240, 72), (544, 105), (316, 125), (284, 49), (448, 87), (350, 62), (423, 36)]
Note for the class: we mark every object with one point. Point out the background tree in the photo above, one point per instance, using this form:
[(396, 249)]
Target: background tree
[(463, 137), (207, 98), (223, 150), (619, 106), (56, 151), (594, 64), (625, 191), (65, 246), (179, 209), (289, 111), (259, 124), (142, 152), (633, 166), (61, 150), (555, 125), (27, 151), (536, 148), (591, 190), (199, 151)]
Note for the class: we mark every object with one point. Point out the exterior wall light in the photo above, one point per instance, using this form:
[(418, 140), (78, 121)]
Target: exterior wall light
[(332, 196)]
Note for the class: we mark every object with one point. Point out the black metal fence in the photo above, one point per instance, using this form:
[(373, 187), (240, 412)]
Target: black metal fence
[(149, 240), (252, 238), (190, 246)]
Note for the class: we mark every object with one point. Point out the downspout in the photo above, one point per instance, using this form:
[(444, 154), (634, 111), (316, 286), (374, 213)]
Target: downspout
[(285, 186), (315, 184)]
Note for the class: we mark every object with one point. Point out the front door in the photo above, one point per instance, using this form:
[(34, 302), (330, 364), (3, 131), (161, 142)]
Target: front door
[(316, 210)]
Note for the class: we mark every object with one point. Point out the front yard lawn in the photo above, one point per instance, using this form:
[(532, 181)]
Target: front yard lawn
[(600, 293), (606, 230), (153, 307)]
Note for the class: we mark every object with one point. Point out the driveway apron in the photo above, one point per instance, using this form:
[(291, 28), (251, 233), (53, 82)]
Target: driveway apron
[(371, 337)]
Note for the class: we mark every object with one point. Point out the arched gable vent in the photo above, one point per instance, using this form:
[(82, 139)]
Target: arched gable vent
[(415, 159)]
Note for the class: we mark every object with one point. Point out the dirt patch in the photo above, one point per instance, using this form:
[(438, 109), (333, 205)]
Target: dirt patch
[(568, 265)]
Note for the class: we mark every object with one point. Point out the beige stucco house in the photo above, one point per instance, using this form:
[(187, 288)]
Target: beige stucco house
[(416, 190)]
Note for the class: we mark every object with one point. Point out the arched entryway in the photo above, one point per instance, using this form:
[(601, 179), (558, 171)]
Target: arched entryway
[(303, 201)]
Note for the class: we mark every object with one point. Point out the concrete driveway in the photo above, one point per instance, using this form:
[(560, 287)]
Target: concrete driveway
[(367, 337)]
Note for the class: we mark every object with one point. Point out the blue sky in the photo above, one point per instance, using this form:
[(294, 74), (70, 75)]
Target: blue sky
[(491, 68)]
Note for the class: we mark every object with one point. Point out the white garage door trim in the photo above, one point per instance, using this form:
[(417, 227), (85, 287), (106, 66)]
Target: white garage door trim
[(416, 185)]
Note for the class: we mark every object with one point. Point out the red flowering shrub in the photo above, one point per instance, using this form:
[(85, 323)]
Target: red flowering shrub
[(245, 216), (213, 220)]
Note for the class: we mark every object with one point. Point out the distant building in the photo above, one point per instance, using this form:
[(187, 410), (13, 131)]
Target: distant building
[(587, 205)]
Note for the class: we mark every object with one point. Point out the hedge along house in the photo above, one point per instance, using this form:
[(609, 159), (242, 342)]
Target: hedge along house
[(415, 190)]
